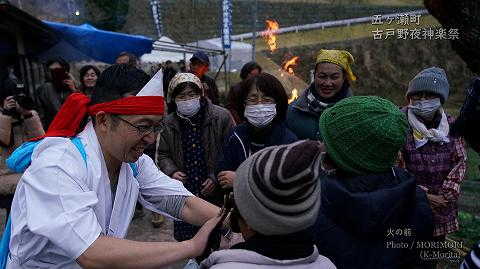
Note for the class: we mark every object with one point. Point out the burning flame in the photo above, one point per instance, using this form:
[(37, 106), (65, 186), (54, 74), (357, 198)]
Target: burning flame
[(269, 34), (294, 95), (290, 64)]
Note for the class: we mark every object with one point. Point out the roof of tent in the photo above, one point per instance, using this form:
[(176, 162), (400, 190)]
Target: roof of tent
[(18, 29), (81, 42), (158, 56), (239, 54)]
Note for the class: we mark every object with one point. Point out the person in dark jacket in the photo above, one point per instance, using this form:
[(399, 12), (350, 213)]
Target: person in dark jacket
[(190, 142), (8, 86), (58, 86), (333, 77), (199, 65), (372, 215), (249, 70), (467, 123), (263, 106)]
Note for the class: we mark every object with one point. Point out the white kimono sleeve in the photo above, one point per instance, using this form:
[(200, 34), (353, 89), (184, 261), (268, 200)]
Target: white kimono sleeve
[(159, 192), (59, 205)]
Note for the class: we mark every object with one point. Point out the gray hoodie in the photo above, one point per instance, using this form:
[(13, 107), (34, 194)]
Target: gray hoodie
[(246, 259)]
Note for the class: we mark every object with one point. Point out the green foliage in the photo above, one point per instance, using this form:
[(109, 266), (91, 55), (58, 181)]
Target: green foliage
[(469, 231), (473, 164), (113, 13)]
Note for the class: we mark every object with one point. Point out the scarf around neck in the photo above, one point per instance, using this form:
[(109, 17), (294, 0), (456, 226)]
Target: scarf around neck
[(318, 104), (421, 134)]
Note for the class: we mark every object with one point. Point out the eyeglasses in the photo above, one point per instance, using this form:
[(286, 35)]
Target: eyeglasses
[(142, 130)]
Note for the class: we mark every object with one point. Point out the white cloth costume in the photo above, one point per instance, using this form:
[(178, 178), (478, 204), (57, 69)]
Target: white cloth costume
[(62, 205)]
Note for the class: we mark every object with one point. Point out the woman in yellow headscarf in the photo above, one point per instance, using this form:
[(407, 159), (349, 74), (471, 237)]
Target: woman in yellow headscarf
[(333, 77)]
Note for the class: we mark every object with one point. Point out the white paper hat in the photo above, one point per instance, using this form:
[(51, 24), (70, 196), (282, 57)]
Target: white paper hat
[(154, 87)]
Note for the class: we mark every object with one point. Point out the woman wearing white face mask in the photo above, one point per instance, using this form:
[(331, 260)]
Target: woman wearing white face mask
[(436, 158), (264, 107), (191, 141)]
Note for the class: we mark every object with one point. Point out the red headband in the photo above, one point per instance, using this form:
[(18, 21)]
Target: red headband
[(75, 109)]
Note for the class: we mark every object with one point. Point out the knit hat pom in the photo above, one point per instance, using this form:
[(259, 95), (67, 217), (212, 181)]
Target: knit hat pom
[(277, 190)]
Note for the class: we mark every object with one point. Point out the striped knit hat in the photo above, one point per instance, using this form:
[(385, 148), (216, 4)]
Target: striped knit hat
[(277, 190)]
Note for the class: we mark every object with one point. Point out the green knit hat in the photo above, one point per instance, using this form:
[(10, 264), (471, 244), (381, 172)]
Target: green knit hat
[(363, 134)]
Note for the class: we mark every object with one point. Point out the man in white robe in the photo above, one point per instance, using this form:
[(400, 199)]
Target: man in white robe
[(72, 212)]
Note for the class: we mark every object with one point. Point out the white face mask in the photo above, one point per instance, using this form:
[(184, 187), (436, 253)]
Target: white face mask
[(425, 108), (260, 115), (188, 108)]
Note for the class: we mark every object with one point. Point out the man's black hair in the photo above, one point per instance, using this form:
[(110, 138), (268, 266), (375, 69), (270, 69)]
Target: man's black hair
[(132, 59), (118, 81), (59, 60)]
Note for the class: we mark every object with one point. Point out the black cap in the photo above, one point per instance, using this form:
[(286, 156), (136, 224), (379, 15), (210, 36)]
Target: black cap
[(201, 56)]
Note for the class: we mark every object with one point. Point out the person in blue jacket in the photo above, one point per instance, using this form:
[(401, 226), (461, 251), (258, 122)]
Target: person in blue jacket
[(372, 214), (264, 105)]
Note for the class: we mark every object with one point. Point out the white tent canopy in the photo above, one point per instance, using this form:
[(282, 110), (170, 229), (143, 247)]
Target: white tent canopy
[(159, 56), (240, 53)]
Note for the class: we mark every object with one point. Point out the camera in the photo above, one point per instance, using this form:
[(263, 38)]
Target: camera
[(24, 101)]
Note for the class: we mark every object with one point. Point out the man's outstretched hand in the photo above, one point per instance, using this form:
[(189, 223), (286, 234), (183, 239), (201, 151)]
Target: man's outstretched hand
[(199, 242)]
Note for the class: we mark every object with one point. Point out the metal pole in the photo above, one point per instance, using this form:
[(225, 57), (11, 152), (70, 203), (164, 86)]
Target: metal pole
[(221, 66), (226, 73), (29, 87), (254, 30)]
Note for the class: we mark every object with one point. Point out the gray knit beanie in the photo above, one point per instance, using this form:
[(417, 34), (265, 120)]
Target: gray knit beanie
[(433, 80), (277, 190)]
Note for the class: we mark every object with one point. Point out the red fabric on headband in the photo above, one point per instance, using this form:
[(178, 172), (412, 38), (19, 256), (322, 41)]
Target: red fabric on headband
[(131, 105), (75, 108)]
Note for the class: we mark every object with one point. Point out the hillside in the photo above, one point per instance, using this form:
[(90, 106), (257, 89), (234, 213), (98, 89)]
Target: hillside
[(385, 67), (186, 20)]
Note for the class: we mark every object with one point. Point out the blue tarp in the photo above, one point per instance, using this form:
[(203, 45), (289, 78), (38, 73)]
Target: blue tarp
[(86, 42)]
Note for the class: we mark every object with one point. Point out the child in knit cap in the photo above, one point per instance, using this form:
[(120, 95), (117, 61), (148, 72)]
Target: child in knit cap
[(277, 198), (371, 214), (435, 157)]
